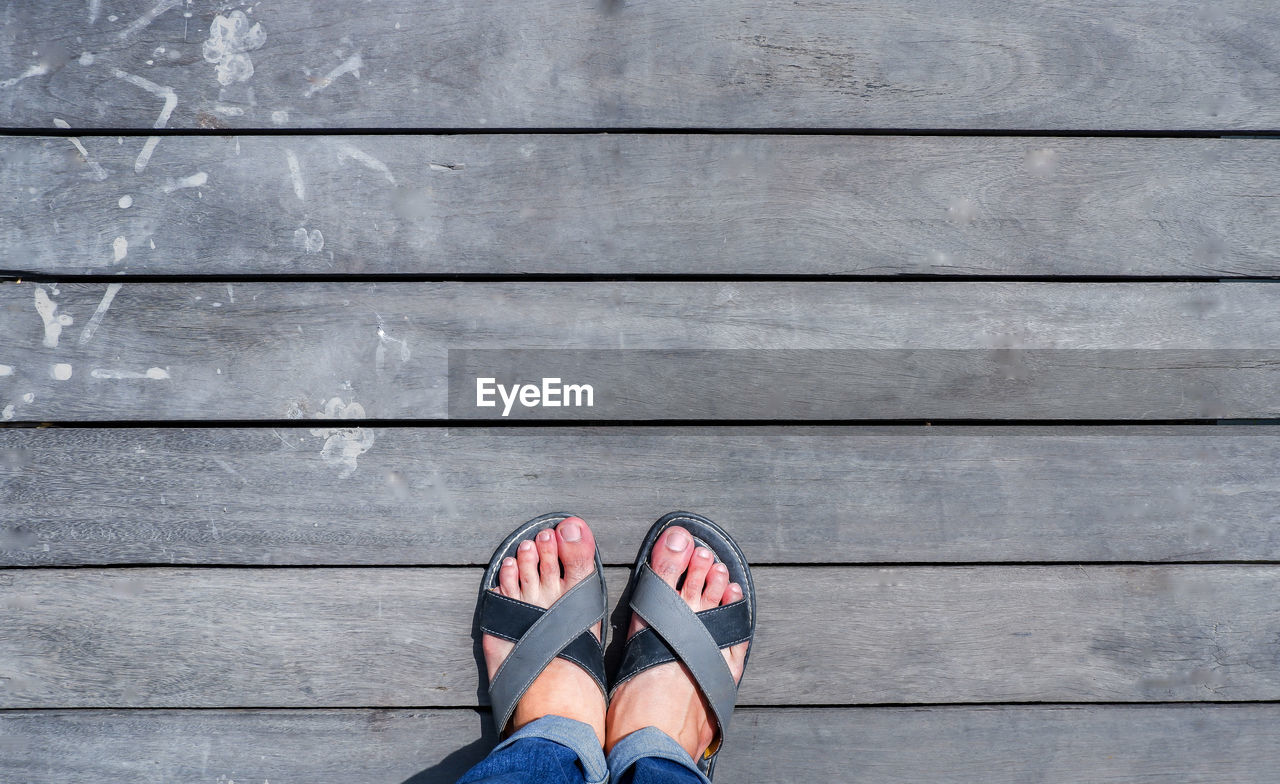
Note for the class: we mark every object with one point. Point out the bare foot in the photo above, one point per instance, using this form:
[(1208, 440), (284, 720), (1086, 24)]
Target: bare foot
[(665, 696), (544, 568)]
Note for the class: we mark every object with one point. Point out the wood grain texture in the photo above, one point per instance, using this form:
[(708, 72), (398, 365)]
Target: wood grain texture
[(1119, 64), (1054, 744), (791, 495), (393, 637), (268, 350), (644, 204)]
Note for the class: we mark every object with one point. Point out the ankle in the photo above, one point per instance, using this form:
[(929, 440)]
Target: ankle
[(563, 690), (694, 741)]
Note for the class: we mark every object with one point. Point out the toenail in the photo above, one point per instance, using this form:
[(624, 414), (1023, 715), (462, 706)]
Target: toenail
[(508, 562), (720, 568), (544, 536), (526, 545), (678, 541), (571, 532), (702, 553)]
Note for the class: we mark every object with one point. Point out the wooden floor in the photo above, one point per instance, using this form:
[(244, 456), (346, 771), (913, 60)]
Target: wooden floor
[(1020, 523)]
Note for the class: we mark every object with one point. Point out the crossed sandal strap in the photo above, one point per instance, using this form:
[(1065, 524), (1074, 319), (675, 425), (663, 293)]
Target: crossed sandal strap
[(677, 632), (561, 630)]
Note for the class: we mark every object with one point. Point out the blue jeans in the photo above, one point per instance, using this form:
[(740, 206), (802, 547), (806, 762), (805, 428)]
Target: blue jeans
[(556, 750)]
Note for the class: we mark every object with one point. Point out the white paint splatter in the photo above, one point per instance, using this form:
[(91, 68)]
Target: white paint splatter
[(6, 370), (144, 157), (279, 117), (86, 334), (7, 414), (193, 181), (94, 7), (342, 445), (351, 152), (446, 166), (295, 174), (99, 173), (380, 353), (126, 201), (170, 103), (308, 241), (962, 210), (86, 59), (119, 249), (155, 373), (29, 397), (40, 69), (231, 38), (228, 111), (61, 371), (146, 19), (1042, 162), (231, 294), (351, 65), (53, 320), (160, 91)]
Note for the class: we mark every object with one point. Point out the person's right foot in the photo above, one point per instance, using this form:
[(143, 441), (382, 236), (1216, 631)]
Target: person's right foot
[(666, 696), (544, 568)]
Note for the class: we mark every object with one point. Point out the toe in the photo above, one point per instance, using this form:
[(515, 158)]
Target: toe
[(527, 565), (577, 549), (717, 582), (509, 578), (671, 554), (696, 577), (733, 593), (735, 656), (548, 560)]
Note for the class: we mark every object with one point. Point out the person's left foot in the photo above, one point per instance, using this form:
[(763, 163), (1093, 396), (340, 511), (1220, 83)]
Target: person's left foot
[(666, 696), (544, 568)]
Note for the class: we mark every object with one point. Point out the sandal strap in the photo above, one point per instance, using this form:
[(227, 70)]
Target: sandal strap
[(557, 631), (729, 624), (688, 639), (510, 619)]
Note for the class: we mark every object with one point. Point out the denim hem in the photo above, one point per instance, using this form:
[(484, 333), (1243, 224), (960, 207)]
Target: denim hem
[(574, 735), (649, 742)]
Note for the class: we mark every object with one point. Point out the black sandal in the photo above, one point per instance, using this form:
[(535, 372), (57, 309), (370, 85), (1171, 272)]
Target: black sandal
[(562, 630), (675, 632)]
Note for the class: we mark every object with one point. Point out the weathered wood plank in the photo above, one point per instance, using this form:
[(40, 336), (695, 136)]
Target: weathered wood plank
[(165, 637), (405, 63), (644, 204), (270, 350), (1053, 744), (826, 495)]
